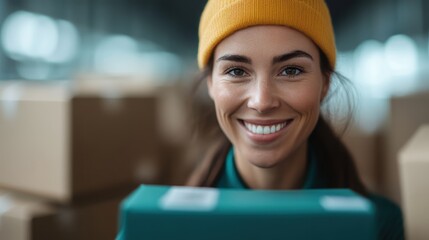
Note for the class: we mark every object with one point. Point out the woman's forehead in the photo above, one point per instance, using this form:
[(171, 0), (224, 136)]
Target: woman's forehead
[(265, 39)]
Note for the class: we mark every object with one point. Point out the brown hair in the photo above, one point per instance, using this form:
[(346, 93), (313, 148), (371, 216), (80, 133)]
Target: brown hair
[(334, 160)]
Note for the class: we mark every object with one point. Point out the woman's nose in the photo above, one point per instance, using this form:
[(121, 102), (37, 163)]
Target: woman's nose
[(263, 96)]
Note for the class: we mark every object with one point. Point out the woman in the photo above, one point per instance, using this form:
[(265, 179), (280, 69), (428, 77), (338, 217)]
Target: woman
[(268, 66)]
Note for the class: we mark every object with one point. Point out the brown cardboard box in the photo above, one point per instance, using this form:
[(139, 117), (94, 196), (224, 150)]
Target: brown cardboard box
[(27, 218), (414, 169), (23, 219), (407, 113), (67, 145), (364, 148)]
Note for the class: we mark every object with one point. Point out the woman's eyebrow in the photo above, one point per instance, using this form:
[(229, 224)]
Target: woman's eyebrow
[(290, 55), (234, 58)]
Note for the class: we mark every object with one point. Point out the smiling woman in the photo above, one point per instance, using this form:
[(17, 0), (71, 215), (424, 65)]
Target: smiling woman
[(268, 66), (267, 94)]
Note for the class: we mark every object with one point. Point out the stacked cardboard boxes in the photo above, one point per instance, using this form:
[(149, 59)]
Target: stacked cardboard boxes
[(407, 114), (376, 153), (25, 218), (70, 152)]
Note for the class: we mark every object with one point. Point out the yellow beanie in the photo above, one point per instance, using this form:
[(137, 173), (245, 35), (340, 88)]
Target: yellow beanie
[(221, 18)]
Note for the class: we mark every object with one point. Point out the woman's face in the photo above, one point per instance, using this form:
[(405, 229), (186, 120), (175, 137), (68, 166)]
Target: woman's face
[(267, 87)]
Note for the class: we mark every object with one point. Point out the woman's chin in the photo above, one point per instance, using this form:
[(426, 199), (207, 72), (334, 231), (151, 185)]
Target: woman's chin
[(264, 164)]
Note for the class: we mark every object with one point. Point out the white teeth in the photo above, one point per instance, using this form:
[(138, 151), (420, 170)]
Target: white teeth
[(266, 130), (259, 129)]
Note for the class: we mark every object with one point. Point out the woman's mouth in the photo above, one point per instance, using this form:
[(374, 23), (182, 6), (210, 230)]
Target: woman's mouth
[(265, 128)]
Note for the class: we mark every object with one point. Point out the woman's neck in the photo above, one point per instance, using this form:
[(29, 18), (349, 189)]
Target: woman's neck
[(288, 174)]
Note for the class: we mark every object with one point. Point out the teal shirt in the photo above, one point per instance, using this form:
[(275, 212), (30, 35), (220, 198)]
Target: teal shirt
[(388, 214), (230, 178)]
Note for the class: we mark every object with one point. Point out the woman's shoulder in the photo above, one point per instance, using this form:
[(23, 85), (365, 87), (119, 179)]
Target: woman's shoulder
[(389, 218)]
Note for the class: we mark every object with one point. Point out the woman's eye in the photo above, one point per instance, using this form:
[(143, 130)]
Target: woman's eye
[(291, 71), (236, 72)]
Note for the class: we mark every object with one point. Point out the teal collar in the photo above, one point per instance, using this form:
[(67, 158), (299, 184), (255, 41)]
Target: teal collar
[(230, 178)]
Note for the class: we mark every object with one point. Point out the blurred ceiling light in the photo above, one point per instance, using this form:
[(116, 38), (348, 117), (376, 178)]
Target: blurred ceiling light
[(401, 55), (123, 55), (117, 55), (371, 80), (33, 36), (380, 71), (16, 31), (370, 72), (44, 38), (29, 35), (15, 34), (68, 43), (161, 65)]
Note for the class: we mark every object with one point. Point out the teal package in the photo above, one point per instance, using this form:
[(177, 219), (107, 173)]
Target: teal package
[(188, 213)]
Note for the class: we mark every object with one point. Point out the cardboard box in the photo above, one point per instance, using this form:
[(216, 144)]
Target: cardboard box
[(64, 144), (414, 169), (27, 218), (407, 113), (364, 148), (22, 219)]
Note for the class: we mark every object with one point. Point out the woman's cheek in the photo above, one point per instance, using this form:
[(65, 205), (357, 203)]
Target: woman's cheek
[(304, 99), (226, 96)]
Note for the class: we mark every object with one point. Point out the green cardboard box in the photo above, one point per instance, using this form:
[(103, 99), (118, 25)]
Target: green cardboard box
[(172, 212)]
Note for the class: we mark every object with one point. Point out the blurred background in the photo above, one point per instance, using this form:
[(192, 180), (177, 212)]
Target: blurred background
[(94, 101)]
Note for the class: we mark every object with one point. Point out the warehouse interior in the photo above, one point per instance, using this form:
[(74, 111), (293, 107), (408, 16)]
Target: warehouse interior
[(95, 99)]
